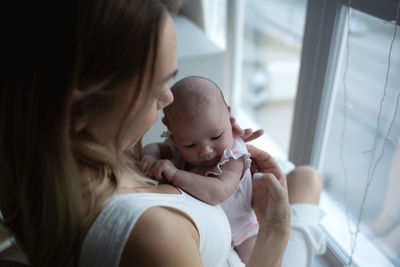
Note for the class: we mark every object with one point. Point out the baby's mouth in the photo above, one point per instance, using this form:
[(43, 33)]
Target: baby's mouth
[(212, 161)]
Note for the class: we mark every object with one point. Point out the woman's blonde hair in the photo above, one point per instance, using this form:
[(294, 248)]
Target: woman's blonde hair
[(52, 48)]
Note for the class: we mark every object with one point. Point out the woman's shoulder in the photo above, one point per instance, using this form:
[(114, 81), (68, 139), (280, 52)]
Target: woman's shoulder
[(162, 236), (108, 234), (151, 226)]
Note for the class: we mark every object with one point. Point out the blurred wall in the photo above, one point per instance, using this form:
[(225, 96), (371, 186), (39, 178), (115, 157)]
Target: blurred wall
[(197, 55)]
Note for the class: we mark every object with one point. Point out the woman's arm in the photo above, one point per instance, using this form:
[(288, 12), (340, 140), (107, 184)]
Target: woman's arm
[(271, 205), (212, 190), (162, 237)]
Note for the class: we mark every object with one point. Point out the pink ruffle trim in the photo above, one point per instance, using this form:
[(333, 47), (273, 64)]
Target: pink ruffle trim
[(228, 153)]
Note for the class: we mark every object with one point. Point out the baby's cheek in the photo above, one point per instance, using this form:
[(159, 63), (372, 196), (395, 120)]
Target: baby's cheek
[(229, 142), (189, 157), (224, 146)]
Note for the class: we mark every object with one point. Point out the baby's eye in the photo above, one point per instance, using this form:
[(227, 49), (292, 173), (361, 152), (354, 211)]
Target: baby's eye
[(190, 146), (217, 137)]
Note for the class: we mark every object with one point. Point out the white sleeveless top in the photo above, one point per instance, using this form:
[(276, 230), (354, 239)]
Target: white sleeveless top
[(105, 241)]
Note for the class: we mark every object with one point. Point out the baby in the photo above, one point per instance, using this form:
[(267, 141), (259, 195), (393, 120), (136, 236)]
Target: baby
[(202, 156)]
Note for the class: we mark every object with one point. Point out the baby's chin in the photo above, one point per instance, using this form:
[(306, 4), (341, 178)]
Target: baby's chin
[(211, 162)]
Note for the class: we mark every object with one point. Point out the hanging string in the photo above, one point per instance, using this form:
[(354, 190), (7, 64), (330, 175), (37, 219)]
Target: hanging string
[(344, 123), (373, 165), (370, 169), (345, 103)]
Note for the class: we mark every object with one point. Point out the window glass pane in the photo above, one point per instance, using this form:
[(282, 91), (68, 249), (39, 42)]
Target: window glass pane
[(273, 33), (360, 155), (215, 21)]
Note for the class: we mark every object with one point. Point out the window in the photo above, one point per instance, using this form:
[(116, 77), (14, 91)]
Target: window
[(346, 91), (265, 51), (362, 131), (270, 63), (215, 21), (347, 125)]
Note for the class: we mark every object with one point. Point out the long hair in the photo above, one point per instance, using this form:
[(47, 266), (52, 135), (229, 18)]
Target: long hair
[(50, 49)]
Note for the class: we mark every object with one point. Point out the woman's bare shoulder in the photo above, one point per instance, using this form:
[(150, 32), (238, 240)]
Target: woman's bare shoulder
[(162, 237)]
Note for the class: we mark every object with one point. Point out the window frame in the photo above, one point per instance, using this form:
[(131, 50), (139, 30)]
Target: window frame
[(323, 34), (324, 31), (319, 56)]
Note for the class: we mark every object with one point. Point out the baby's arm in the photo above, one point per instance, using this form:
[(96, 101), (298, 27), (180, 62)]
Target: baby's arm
[(151, 153), (212, 190)]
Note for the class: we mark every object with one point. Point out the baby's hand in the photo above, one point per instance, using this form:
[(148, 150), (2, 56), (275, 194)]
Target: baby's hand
[(164, 170), (146, 164)]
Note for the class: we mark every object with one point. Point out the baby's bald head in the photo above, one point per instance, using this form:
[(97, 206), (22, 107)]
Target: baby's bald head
[(193, 95)]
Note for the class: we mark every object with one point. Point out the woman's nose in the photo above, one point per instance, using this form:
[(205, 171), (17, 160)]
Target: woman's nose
[(166, 99), (169, 97)]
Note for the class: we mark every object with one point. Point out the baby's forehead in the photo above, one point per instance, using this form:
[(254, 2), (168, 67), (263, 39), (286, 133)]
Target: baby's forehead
[(194, 96), (186, 128), (196, 92), (195, 107), (192, 111), (211, 117), (197, 89)]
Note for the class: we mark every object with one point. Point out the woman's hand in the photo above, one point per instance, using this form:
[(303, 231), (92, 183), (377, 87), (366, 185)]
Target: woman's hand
[(247, 134), (261, 161), (271, 205), (270, 195)]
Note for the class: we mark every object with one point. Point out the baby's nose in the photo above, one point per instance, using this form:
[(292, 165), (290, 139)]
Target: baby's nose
[(205, 150)]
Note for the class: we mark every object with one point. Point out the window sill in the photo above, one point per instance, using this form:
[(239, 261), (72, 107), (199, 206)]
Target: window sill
[(335, 225)]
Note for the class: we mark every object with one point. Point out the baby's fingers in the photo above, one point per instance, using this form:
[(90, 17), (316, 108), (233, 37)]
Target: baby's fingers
[(158, 171), (143, 166)]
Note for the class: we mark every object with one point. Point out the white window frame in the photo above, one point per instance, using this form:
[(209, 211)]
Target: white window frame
[(325, 26)]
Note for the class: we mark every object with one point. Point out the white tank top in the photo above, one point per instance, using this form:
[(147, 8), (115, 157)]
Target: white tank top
[(105, 241)]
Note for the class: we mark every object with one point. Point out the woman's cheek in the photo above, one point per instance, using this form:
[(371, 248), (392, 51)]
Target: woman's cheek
[(137, 129)]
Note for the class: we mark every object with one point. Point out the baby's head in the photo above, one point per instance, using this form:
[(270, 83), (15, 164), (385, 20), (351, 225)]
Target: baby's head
[(199, 120)]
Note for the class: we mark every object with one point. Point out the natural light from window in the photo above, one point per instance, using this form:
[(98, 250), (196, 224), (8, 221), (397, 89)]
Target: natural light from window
[(270, 64), (360, 155)]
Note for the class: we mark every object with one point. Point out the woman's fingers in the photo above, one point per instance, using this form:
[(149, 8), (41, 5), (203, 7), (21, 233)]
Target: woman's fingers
[(263, 162), (258, 154), (270, 200), (236, 129), (276, 186), (249, 135)]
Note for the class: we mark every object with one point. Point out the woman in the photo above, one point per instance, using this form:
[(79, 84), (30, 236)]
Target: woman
[(84, 81)]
